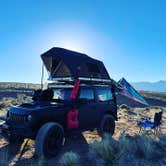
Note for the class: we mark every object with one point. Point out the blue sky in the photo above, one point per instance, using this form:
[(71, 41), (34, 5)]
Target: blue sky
[(129, 36)]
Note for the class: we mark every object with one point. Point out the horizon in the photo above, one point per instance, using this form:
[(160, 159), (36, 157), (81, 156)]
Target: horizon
[(115, 80), (129, 37)]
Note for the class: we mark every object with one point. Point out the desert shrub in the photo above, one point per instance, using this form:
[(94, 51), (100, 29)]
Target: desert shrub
[(124, 106), (108, 150), (8, 102), (43, 161), (69, 159), (131, 150), (160, 146), (139, 110), (147, 109), (2, 105), (155, 107), (140, 146), (127, 160)]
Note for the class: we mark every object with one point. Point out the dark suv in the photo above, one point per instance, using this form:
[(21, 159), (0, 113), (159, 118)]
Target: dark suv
[(64, 108)]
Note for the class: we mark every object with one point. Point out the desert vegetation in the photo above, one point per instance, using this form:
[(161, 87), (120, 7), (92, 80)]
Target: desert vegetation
[(136, 150), (7, 102), (126, 145), (69, 159)]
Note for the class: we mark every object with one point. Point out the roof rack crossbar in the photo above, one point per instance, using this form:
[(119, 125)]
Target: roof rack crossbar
[(80, 78), (94, 79)]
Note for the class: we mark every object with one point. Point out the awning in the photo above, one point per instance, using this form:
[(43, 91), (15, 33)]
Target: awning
[(130, 92)]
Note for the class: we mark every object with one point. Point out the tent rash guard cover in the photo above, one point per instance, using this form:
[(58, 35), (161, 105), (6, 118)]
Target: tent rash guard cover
[(61, 63)]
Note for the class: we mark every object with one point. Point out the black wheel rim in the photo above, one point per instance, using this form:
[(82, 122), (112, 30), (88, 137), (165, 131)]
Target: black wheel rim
[(54, 142)]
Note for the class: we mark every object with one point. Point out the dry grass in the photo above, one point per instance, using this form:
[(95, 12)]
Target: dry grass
[(132, 149), (8, 102), (137, 150), (69, 159)]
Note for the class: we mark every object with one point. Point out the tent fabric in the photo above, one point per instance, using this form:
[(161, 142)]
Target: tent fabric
[(61, 62), (130, 92)]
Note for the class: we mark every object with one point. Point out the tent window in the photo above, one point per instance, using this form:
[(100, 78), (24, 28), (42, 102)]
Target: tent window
[(61, 70), (93, 68), (53, 65)]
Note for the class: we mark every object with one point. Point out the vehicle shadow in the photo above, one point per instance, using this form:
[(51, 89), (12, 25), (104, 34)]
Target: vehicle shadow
[(76, 144), (8, 153), (11, 154)]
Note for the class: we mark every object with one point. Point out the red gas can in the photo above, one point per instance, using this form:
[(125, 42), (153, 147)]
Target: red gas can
[(72, 119)]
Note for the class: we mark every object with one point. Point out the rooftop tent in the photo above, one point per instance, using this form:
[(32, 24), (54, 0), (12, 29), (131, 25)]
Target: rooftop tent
[(61, 63)]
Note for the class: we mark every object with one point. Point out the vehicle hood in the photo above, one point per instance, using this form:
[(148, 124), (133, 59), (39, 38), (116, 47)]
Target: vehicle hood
[(27, 108)]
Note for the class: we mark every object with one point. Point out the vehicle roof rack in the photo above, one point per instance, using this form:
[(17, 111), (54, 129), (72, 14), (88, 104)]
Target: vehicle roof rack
[(84, 80)]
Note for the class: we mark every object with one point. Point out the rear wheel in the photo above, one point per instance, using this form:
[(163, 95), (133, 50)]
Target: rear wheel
[(49, 139), (107, 125)]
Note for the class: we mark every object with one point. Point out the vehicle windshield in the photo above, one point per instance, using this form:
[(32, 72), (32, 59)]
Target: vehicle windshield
[(62, 94)]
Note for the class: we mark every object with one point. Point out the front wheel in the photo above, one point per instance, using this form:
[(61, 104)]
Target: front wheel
[(49, 139), (107, 125)]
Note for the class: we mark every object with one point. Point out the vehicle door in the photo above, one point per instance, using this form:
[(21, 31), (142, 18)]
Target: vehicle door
[(87, 108), (105, 101)]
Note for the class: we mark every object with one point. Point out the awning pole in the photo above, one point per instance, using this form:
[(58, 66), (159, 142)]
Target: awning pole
[(42, 76)]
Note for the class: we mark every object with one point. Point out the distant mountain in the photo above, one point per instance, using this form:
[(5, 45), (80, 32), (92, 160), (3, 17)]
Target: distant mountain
[(14, 89), (16, 85), (159, 86)]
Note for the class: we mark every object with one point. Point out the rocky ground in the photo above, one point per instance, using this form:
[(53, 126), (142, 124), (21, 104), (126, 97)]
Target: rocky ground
[(20, 155)]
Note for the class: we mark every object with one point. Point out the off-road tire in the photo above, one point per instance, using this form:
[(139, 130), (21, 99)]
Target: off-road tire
[(107, 125), (49, 140)]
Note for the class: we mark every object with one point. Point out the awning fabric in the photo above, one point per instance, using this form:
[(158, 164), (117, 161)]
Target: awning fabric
[(130, 92)]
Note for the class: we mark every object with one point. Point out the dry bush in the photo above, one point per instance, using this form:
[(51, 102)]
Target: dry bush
[(106, 151), (42, 161), (139, 146), (8, 102), (124, 106), (22, 98), (138, 150), (69, 159)]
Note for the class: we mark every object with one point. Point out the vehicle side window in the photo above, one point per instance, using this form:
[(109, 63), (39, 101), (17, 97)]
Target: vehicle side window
[(86, 93), (104, 94)]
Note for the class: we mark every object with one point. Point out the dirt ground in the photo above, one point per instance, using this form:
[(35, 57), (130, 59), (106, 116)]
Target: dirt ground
[(13, 155)]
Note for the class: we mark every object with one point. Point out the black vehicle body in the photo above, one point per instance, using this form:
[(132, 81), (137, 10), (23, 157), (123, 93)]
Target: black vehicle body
[(90, 114), (80, 97)]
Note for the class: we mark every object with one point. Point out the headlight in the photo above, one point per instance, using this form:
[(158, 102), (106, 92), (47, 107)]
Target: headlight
[(29, 118)]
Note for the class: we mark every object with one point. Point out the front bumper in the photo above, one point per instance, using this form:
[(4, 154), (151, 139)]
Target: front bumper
[(7, 130), (4, 130)]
